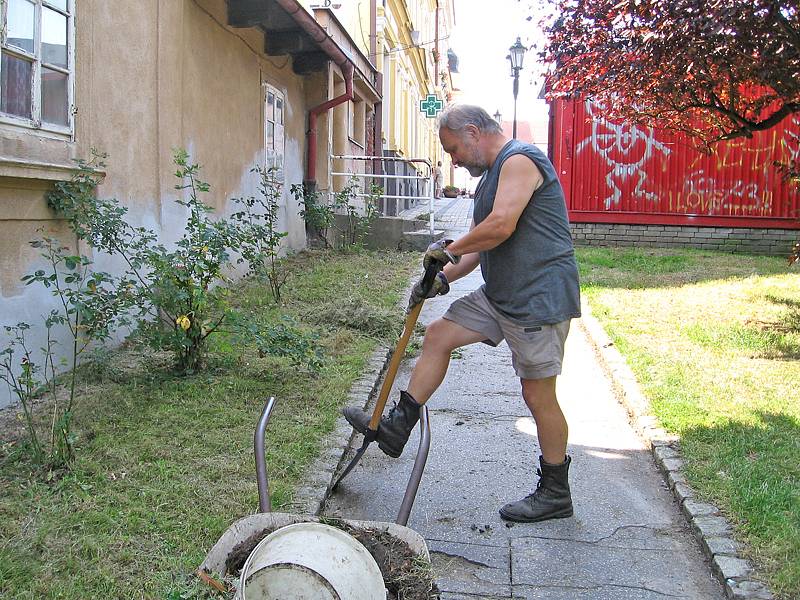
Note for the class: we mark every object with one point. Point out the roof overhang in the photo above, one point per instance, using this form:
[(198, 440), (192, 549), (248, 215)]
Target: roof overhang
[(311, 41), (365, 71)]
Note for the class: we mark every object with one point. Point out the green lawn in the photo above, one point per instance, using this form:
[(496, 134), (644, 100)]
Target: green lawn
[(165, 463), (714, 340)]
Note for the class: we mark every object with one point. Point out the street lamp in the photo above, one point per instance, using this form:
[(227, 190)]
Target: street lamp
[(515, 56), (498, 117)]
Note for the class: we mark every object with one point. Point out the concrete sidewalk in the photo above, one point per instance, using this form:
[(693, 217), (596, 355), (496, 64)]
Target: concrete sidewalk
[(627, 539), (454, 214)]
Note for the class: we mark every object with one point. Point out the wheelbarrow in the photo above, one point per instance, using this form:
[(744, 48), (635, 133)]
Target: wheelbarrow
[(300, 548), (349, 562)]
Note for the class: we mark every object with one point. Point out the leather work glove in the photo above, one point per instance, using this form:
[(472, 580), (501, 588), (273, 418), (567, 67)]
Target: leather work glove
[(439, 287), (438, 251)]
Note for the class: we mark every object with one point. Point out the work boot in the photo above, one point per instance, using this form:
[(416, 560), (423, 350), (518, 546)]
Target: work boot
[(394, 428), (551, 500)]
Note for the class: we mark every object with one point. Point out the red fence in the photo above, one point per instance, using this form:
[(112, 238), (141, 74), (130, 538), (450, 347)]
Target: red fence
[(620, 173)]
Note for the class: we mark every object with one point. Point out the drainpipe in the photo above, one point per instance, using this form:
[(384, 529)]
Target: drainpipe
[(436, 46), (377, 125), (324, 41)]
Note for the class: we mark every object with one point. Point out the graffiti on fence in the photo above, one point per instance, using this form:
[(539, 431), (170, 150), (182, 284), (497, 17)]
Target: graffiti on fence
[(625, 149), (706, 194)]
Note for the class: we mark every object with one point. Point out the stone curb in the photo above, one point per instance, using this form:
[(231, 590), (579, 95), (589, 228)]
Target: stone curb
[(313, 490), (709, 526)]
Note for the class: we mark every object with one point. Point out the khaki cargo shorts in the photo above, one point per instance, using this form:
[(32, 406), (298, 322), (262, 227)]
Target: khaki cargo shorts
[(536, 352)]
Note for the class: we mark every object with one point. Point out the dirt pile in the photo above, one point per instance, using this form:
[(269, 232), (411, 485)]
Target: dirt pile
[(407, 576)]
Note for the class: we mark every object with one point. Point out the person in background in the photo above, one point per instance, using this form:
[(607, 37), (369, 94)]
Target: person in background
[(437, 180)]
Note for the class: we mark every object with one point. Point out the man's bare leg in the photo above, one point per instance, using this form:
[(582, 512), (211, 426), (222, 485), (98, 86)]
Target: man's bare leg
[(441, 338), (552, 498), (551, 426)]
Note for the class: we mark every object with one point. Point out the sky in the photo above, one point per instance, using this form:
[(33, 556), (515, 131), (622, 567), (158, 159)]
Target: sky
[(483, 33)]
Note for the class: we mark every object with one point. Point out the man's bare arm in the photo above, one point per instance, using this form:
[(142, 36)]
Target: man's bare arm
[(465, 266), (519, 178)]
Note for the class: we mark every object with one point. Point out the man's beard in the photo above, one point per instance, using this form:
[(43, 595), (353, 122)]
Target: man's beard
[(474, 166), (475, 170)]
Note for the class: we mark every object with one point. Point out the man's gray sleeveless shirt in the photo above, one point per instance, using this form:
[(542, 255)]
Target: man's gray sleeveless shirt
[(532, 277)]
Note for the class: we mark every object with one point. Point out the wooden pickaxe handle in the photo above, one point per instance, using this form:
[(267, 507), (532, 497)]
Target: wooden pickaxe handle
[(411, 320)]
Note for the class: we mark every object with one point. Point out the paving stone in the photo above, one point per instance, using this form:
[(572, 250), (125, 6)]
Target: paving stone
[(673, 464), (682, 491), (471, 568), (711, 526), (722, 545), (664, 452), (559, 564), (600, 592), (676, 477), (699, 509), (748, 590), (465, 596)]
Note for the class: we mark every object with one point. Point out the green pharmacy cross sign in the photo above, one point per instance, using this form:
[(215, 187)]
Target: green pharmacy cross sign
[(431, 106)]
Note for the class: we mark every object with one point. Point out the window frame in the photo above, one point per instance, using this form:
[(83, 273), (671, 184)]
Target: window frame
[(279, 175), (356, 126), (36, 122)]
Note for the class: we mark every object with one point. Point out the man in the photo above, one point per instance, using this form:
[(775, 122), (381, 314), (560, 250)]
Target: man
[(520, 238)]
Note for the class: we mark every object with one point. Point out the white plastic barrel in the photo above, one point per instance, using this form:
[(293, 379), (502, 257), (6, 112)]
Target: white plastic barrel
[(311, 561)]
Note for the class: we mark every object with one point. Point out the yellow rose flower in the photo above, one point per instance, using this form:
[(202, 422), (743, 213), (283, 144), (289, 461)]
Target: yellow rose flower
[(183, 322)]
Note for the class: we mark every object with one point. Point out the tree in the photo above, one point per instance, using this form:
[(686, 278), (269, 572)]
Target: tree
[(714, 69)]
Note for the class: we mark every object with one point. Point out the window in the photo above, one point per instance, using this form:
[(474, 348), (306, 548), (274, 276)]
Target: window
[(274, 131), (36, 70), (355, 121), (351, 120)]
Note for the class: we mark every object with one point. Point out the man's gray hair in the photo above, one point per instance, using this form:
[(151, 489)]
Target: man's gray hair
[(457, 116)]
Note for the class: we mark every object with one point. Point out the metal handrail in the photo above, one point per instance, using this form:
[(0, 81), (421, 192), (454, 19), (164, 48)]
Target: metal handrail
[(385, 176), (381, 176)]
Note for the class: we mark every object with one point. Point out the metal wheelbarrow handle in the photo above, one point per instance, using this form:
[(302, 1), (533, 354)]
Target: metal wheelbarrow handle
[(264, 504)]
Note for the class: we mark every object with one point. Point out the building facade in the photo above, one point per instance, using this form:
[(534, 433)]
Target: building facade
[(234, 82), (406, 41)]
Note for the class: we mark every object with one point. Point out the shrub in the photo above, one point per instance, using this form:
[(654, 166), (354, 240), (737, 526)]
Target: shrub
[(91, 304), (260, 238), (358, 221), (318, 217), (180, 292)]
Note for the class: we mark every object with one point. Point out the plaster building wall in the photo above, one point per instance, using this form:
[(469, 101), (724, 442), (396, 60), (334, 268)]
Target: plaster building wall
[(198, 87), (150, 77)]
